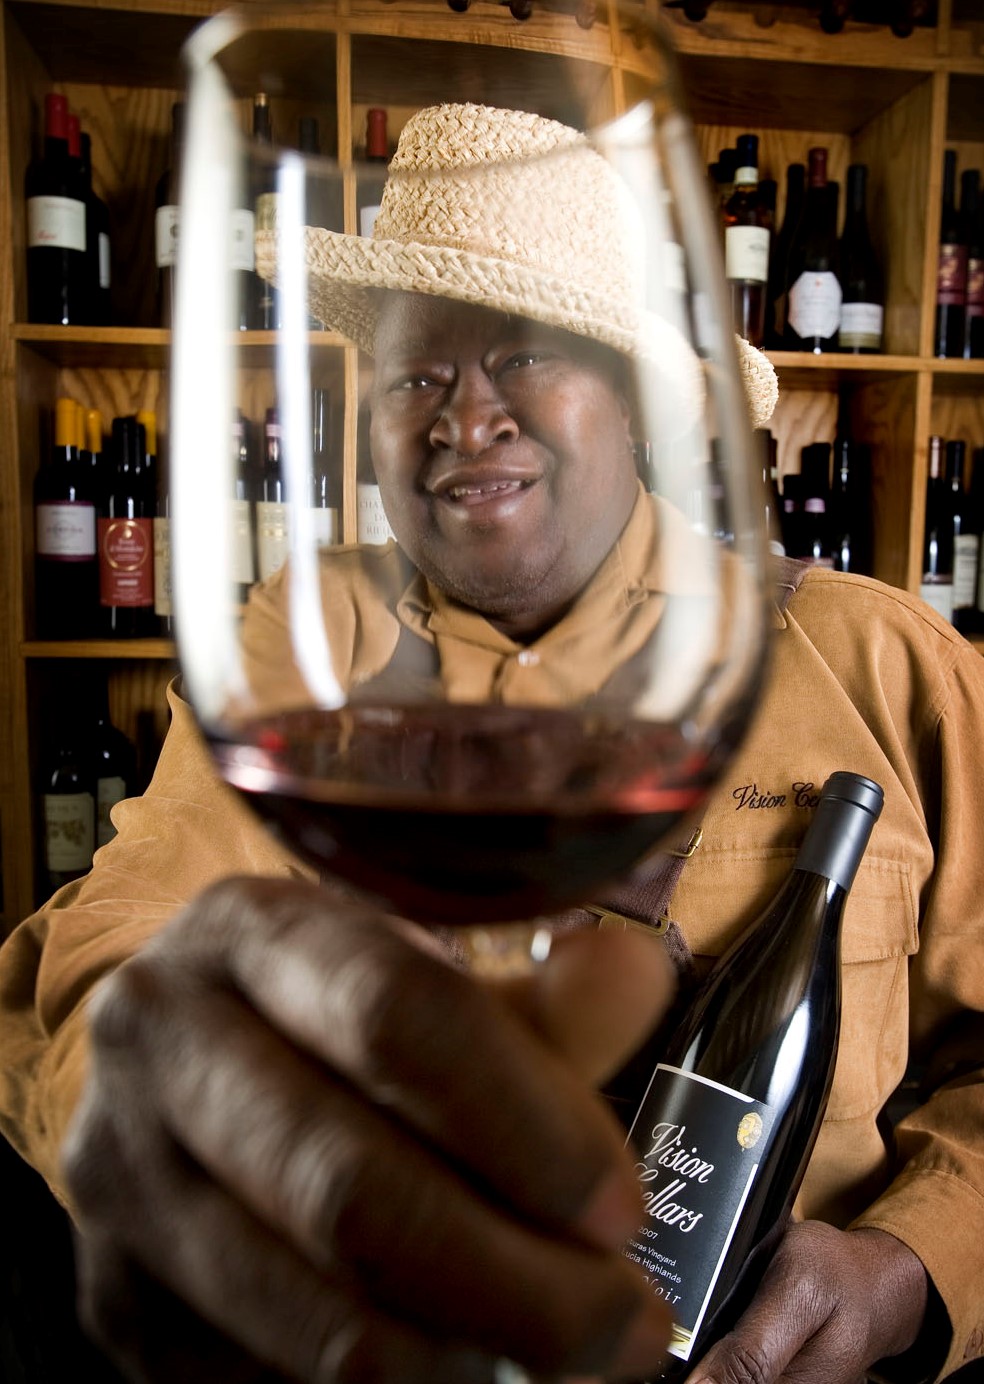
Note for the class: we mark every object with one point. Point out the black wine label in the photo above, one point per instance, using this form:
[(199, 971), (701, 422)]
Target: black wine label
[(700, 1147)]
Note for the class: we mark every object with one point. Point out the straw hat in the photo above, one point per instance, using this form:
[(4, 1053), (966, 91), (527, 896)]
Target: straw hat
[(512, 211)]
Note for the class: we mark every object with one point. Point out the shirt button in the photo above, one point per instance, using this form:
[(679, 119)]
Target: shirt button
[(527, 659)]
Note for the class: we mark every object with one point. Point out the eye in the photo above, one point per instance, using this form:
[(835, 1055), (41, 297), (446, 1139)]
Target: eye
[(520, 360)]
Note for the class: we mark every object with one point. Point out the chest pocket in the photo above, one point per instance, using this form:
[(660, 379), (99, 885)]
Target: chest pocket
[(879, 934)]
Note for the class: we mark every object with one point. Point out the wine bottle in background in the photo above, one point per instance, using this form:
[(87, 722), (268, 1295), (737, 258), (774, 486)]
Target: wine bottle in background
[(157, 483), (126, 538), (972, 210), (97, 241), (965, 540), (936, 588), (768, 194), (56, 244), (815, 534), (241, 502), (778, 285), (726, 165), (768, 456), (66, 566), (974, 621), (372, 525), (323, 199), (242, 256), (92, 454), (951, 274), (833, 15), (373, 178), (264, 303), (725, 1129), (167, 219), (324, 498), (114, 764), (746, 244), (863, 296), (791, 514), (851, 528), (68, 797), (814, 303), (272, 515)]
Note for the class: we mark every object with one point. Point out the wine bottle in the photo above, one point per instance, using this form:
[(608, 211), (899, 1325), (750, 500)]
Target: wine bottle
[(324, 499), (815, 534), (778, 285), (746, 244), (92, 454), (863, 298), (791, 514), (167, 218), (767, 451), (833, 15), (56, 243), (241, 502), (974, 621), (936, 588), (66, 565), (68, 802), (965, 540), (242, 254), (814, 304), (156, 483), (951, 274), (126, 538), (272, 517), (372, 525), (323, 196), (97, 241), (264, 299), (726, 165), (725, 1130), (115, 764), (851, 529), (972, 210), (373, 179)]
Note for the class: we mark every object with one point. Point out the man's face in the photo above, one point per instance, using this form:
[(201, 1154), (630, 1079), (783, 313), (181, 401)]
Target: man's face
[(503, 453)]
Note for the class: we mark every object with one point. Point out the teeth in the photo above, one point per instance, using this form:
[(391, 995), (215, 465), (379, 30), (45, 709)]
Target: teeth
[(458, 492)]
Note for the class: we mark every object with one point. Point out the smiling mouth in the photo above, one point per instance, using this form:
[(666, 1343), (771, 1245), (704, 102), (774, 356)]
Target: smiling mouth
[(491, 490)]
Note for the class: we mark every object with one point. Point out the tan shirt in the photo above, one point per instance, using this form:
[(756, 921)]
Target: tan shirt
[(864, 678)]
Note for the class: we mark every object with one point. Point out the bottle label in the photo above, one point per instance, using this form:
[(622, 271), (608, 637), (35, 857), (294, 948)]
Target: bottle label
[(700, 1147), (104, 261), (266, 211), (243, 569), (69, 832), (367, 219), (746, 253), (167, 222), (966, 547), (162, 567), (861, 326), (372, 524), (975, 285), (241, 232), (66, 530), (951, 276), (325, 527), (814, 306), (56, 223), (126, 562), (272, 537), (939, 595), (109, 792)]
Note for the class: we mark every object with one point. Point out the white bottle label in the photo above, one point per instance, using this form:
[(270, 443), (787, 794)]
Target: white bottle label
[(700, 1146), (109, 792), (939, 595), (69, 832), (66, 530), (746, 253), (861, 325), (367, 219), (162, 566), (104, 260), (243, 568), (815, 304), (167, 222), (325, 527), (272, 536), (966, 547), (372, 524), (55, 222), (241, 231)]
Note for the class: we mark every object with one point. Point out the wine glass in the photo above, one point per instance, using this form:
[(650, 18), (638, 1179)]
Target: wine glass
[(532, 687)]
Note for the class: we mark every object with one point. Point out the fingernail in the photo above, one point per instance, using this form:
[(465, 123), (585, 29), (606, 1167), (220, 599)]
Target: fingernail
[(643, 1347), (612, 1214)]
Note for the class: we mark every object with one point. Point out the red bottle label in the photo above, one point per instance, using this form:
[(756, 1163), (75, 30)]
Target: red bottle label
[(975, 286), (951, 277), (126, 562)]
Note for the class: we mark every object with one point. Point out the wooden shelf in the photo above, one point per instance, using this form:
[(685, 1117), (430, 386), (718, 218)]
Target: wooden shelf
[(99, 648), (137, 348)]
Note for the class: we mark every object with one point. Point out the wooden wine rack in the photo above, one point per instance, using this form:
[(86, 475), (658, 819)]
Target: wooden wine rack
[(865, 94)]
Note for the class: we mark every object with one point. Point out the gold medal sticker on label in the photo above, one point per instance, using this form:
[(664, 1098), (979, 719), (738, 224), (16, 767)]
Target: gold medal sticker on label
[(749, 1130), (125, 545)]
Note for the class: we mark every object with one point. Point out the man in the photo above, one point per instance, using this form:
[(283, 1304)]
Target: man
[(280, 1161)]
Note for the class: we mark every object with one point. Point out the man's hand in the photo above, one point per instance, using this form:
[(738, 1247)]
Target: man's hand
[(831, 1303), (311, 1148)]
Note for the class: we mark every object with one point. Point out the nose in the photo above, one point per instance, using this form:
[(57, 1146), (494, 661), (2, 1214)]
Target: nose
[(474, 415)]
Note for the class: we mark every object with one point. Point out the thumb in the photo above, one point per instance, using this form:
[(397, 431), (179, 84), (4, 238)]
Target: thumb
[(596, 997)]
